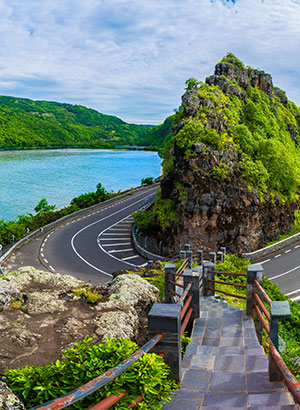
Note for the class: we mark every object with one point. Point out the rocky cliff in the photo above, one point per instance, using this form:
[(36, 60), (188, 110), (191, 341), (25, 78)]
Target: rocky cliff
[(231, 176)]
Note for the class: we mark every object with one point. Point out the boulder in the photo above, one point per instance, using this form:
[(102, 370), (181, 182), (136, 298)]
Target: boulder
[(9, 401)]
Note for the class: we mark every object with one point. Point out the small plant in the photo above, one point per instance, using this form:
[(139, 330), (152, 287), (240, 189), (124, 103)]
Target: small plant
[(149, 376), (16, 304), (185, 340), (89, 295), (147, 181)]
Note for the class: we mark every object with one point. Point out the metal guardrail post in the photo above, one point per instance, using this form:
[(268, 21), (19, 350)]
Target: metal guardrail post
[(252, 271), (212, 257), (187, 247), (189, 254), (206, 267), (194, 275), (182, 255), (278, 310), (165, 318), (169, 275), (200, 257)]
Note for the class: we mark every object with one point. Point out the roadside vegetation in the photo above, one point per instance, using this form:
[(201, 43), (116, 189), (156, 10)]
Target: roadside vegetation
[(12, 231)]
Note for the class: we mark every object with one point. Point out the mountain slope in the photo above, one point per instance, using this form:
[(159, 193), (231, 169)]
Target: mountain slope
[(27, 123)]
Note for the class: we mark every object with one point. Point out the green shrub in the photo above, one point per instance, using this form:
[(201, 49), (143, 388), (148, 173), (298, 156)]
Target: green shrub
[(89, 295), (149, 376)]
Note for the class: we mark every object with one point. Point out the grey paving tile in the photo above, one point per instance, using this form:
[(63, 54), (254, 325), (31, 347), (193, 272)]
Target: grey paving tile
[(207, 351), (203, 362), (193, 346), (225, 400), (187, 361), (256, 363), (234, 382), (232, 321), (269, 399), (212, 333), (215, 322), (231, 350), (259, 381), (195, 380), (250, 332), (209, 341), (229, 341), (236, 332), (198, 331), (251, 341), (230, 363), (200, 322), (283, 407)]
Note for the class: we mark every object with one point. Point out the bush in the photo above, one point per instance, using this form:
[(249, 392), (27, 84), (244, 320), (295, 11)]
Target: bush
[(149, 376)]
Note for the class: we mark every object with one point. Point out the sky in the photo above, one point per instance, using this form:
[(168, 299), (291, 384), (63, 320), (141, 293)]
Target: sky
[(131, 58)]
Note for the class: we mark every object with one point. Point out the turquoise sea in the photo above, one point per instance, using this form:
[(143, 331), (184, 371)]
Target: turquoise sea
[(58, 175)]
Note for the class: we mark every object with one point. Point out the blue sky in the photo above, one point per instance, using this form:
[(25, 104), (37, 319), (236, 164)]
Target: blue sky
[(131, 58)]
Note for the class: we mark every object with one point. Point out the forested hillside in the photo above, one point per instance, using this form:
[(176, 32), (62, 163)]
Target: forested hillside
[(25, 123)]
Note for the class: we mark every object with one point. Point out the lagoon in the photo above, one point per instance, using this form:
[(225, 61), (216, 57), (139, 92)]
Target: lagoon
[(59, 175)]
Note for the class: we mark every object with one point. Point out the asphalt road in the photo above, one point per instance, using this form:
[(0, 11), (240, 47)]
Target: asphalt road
[(283, 267), (90, 246)]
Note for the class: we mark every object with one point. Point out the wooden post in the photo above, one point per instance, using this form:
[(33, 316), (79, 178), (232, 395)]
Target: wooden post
[(194, 277), (189, 254)]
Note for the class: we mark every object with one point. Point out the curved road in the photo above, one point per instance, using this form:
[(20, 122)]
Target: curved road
[(89, 246), (283, 267)]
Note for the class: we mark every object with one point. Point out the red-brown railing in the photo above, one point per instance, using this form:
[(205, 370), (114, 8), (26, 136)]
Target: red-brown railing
[(211, 279)]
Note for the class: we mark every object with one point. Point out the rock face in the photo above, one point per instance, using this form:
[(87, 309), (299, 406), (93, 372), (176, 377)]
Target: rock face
[(205, 180)]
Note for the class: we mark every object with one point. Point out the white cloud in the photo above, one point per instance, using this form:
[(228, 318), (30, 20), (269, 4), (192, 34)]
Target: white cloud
[(131, 58)]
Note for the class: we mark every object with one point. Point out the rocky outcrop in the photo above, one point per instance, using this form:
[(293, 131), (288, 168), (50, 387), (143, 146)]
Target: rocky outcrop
[(40, 315), (8, 401)]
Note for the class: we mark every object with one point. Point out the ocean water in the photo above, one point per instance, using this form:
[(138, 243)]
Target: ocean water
[(59, 175)]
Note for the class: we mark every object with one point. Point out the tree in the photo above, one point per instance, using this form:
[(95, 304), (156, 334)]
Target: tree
[(147, 181), (43, 207)]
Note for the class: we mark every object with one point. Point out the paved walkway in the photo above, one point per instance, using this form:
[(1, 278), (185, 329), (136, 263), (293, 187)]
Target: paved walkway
[(225, 367)]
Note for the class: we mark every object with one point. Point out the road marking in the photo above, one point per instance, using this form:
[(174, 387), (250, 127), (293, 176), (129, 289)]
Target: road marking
[(295, 299), (116, 244), (119, 229), (289, 250), (114, 239), (267, 260), (51, 267), (284, 273), (277, 256), (42, 255), (115, 234), (130, 257), (46, 239), (42, 248), (46, 260), (291, 293), (297, 246), (121, 250), (96, 222)]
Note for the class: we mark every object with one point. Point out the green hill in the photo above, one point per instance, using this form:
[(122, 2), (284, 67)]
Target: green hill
[(26, 123)]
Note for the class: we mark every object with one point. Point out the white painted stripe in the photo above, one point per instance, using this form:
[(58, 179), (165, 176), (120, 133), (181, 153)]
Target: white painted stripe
[(68, 223), (115, 239), (46, 239), (46, 260), (284, 273), (295, 299), (267, 260), (42, 248), (121, 250), (42, 255), (291, 293), (116, 244), (51, 267), (289, 250), (277, 256), (297, 246), (118, 229), (130, 257), (115, 233)]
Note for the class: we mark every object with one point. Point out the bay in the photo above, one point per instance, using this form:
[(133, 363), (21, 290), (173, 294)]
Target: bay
[(59, 175)]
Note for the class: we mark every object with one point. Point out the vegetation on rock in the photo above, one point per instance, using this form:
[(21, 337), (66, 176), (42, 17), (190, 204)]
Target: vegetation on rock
[(232, 168)]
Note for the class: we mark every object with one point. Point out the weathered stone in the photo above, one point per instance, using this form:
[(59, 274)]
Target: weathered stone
[(117, 323), (261, 80), (7, 296), (190, 102), (9, 401)]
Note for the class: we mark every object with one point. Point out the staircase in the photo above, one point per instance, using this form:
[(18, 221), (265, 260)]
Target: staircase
[(225, 366)]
